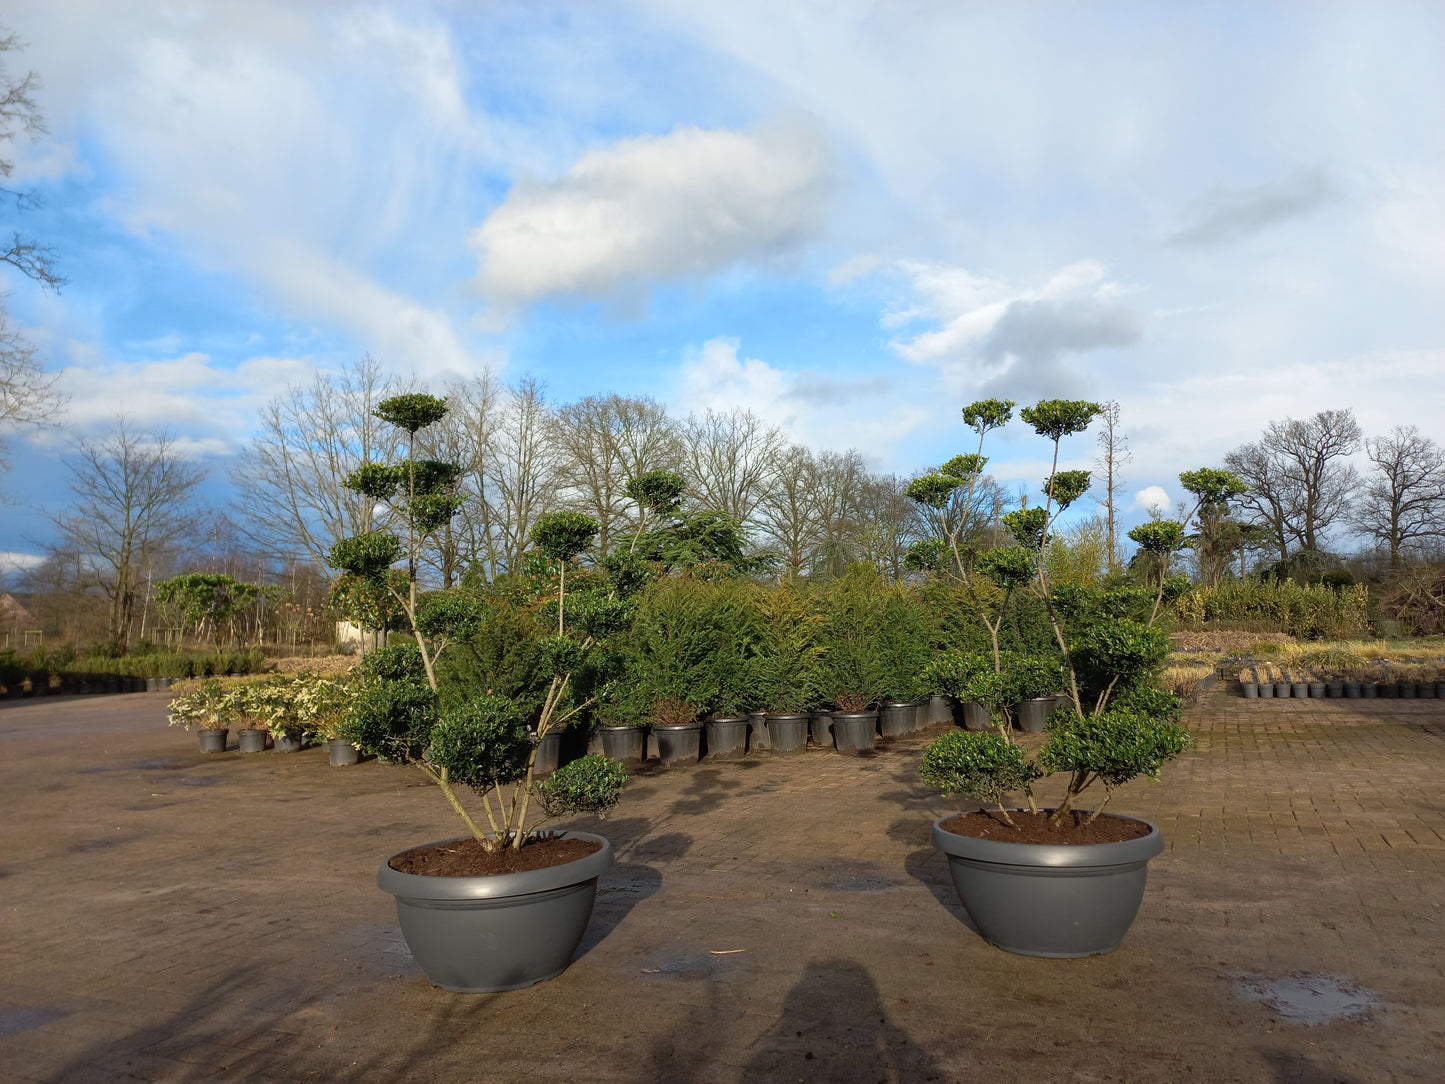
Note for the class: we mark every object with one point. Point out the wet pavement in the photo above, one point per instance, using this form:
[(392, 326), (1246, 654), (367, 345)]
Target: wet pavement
[(169, 916)]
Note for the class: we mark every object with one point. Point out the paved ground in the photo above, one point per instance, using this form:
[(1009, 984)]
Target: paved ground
[(167, 916)]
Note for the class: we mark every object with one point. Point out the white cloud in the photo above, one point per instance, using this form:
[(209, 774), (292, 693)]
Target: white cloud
[(11, 561), (992, 337), (1228, 213), (1151, 497), (211, 409), (820, 410), (678, 206), (260, 141)]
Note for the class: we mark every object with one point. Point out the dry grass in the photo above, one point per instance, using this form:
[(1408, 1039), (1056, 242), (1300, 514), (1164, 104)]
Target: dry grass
[(324, 664), (1226, 643)]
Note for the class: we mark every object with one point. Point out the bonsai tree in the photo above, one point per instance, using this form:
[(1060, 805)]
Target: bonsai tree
[(480, 742), (1117, 726)]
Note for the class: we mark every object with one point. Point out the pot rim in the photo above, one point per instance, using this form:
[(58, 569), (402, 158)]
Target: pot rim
[(416, 886), (1052, 855)]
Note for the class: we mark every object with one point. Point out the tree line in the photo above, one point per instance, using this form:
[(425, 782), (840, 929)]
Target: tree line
[(134, 519)]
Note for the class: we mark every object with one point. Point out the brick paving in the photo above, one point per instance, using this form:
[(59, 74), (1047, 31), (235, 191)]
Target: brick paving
[(166, 916)]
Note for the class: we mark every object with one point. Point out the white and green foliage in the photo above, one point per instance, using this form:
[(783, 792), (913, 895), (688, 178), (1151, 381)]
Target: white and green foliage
[(1117, 726), (481, 742), (205, 709)]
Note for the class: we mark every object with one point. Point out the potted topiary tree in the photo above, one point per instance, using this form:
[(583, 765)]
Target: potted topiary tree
[(1065, 881), (904, 651), (779, 672), (506, 906), (851, 670)]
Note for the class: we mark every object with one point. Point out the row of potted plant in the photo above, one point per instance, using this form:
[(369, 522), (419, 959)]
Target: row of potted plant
[(476, 922), (289, 712), (1272, 681)]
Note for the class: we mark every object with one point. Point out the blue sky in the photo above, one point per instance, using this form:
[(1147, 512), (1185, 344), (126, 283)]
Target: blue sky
[(851, 217)]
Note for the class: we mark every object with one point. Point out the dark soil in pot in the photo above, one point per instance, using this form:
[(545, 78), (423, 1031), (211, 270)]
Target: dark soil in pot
[(468, 858), (1035, 828)]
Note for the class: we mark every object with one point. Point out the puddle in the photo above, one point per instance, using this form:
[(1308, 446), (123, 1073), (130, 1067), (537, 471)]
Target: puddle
[(200, 781), (158, 765), (691, 967), (1309, 999), (17, 1018)]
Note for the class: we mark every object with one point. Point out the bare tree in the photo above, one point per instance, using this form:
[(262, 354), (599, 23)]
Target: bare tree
[(840, 481), (521, 476), (727, 459), (604, 441), (1114, 455), (888, 523), (1299, 484), (134, 502), (27, 393), (1404, 500), (789, 515), (289, 482)]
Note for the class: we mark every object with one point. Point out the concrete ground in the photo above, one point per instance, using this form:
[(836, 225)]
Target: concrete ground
[(166, 916)]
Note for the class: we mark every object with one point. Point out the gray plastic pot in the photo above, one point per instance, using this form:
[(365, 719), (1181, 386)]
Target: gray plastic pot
[(624, 743), (252, 741), (482, 935), (727, 737), (1317, 690), (1300, 690), (678, 746), (975, 716), (940, 710), (286, 743), (1281, 690), (1033, 715), (1369, 690), (820, 728), (341, 753), (1249, 690), (1266, 690), (854, 732), (758, 730), (1352, 690), (895, 719), (213, 741), (549, 752), (788, 733), (1056, 901), (1335, 689)]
